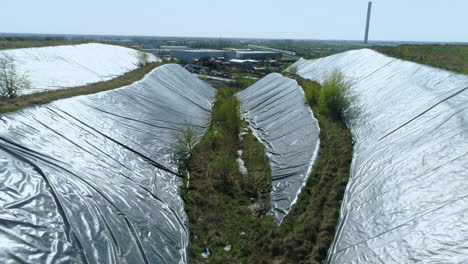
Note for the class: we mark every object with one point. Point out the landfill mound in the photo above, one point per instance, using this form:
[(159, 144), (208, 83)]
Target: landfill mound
[(406, 200), (91, 179), (50, 68), (275, 110)]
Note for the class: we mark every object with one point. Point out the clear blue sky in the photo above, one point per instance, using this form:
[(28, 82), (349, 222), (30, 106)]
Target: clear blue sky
[(405, 20)]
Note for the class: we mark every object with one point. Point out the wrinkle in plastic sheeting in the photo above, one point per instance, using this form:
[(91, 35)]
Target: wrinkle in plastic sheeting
[(275, 110), (90, 179), (406, 200), (57, 67)]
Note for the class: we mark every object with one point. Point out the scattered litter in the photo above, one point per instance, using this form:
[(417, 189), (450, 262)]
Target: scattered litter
[(205, 253), (241, 164)]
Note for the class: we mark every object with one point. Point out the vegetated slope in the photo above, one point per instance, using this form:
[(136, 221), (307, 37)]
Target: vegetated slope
[(449, 57), (406, 200), (227, 209), (56, 67), (275, 110), (91, 179)]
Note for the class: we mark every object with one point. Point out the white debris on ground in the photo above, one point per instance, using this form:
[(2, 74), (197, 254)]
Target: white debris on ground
[(228, 248), (56, 67), (239, 160), (241, 164), (205, 253)]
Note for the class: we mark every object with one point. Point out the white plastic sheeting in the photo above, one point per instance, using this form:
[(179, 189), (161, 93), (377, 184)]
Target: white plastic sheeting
[(407, 199), (58, 67), (90, 179), (277, 114)]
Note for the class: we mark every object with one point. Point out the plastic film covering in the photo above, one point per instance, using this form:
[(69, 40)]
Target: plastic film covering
[(56, 67), (90, 179), (277, 115), (407, 200)]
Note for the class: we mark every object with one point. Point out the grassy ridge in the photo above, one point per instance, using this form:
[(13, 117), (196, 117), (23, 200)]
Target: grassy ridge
[(225, 207), (219, 204), (449, 57), (307, 232), (17, 103)]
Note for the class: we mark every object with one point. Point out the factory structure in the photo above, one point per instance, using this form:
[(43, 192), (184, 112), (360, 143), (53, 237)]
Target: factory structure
[(187, 54), (196, 54), (257, 55)]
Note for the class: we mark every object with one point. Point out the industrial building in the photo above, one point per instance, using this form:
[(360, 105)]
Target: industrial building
[(167, 50), (243, 64), (257, 55), (191, 55), (183, 53), (174, 48), (288, 52)]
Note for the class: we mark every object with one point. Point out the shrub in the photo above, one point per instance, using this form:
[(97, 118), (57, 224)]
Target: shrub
[(11, 82), (335, 98), (143, 58)]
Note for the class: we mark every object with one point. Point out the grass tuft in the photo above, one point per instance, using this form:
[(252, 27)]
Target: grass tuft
[(335, 98)]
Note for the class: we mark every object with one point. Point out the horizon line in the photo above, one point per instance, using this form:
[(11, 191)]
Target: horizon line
[(235, 38)]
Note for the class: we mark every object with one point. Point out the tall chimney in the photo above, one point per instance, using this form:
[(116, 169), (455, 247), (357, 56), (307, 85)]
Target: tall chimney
[(369, 8)]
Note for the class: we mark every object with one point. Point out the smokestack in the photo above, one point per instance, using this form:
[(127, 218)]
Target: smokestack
[(369, 8)]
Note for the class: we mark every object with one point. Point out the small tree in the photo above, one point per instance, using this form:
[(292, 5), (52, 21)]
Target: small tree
[(293, 70), (11, 82), (184, 141), (143, 58)]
